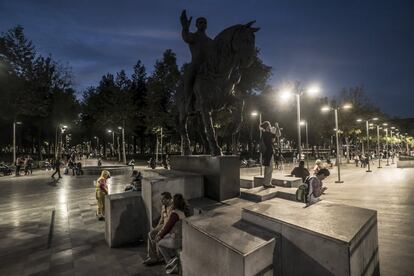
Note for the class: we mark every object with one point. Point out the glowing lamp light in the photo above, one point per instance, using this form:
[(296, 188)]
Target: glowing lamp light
[(326, 108), (359, 120), (254, 113), (347, 106), (314, 89), (302, 123), (375, 119)]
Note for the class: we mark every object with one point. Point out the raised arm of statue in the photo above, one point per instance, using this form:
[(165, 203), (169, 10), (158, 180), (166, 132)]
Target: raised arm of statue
[(185, 23)]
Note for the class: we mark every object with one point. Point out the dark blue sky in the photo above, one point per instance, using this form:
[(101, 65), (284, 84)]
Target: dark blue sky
[(335, 43)]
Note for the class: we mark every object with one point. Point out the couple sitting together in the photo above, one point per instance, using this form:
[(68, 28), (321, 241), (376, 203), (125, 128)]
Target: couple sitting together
[(166, 238)]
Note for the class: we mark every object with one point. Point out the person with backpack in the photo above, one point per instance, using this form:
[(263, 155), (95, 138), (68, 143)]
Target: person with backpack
[(316, 188), (311, 190), (266, 147)]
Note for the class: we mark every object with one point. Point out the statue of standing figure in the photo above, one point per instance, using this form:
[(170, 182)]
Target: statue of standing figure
[(210, 78)]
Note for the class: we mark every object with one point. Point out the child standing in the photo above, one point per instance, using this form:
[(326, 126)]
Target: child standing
[(101, 191)]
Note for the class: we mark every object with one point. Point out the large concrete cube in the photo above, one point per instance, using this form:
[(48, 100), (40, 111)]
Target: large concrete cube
[(222, 244), (221, 173), (323, 239), (125, 218), (155, 182)]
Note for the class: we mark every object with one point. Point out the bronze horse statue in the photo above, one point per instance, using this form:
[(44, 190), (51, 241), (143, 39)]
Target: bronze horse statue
[(214, 82)]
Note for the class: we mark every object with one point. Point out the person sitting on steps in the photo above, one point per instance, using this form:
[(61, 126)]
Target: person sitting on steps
[(316, 188)]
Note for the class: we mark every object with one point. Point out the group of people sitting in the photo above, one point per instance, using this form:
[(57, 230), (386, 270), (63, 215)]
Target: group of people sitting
[(165, 239), (316, 188)]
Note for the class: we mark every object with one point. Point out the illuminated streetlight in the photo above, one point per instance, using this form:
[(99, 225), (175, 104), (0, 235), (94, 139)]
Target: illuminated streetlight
[(254, 114), (123, 144), (305, 123), (285, 94), (328, 108), (367, 129)]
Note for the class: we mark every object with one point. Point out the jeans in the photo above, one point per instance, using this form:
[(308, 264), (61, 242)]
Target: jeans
[(168, 247), (267, 180)]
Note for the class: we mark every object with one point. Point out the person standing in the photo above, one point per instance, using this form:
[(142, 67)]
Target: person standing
[(18, 166), (101, 191), (266, 147), (57, 165)]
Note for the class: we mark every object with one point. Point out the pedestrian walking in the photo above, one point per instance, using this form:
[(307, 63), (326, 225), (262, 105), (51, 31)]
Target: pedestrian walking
[(57, 165)]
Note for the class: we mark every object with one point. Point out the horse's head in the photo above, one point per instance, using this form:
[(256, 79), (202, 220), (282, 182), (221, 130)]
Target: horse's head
[(243, 44)]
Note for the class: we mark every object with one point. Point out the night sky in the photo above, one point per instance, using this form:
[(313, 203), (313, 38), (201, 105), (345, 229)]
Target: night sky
[(334, 43)]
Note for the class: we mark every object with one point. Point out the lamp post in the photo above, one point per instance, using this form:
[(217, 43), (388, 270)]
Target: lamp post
[(368, 149), (305, 123), (97, 146), (14, 139), (378, 147), (113, 140), (327, 108), (254, 114), (386, 143), (123, 144), (299, 92), (392, 147)]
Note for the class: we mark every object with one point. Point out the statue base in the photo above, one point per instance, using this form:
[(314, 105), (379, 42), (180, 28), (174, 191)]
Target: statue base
[(221, 173)]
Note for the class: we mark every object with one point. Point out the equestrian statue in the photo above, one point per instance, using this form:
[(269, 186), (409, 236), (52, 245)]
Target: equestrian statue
[(210, 78)]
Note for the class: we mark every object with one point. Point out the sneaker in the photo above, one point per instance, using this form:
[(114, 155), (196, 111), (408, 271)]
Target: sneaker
[(171, 263), (173, 269)]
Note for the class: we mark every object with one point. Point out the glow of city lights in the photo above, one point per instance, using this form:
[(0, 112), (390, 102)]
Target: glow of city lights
[(325, 108), (314, 89), (347, 106), (285, 95)]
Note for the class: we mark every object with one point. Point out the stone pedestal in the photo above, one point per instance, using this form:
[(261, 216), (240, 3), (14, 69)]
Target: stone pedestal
[(323, 239), (282, 181), (222, 244), (221, 173), (259, 194), (155, 182), (405, 164), (125, 218)]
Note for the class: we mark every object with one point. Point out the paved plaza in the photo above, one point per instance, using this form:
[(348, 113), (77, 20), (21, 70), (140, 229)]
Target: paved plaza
[(75, 245)]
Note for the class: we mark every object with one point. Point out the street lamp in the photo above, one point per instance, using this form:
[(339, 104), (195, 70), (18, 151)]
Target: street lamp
[(14, 139), (335, 109), (312, 90), (123, 143), (254, 114), (386, 142), (368, 150), (305, 123), (113, 140), (58, 141), (97, 145), (392, 145)]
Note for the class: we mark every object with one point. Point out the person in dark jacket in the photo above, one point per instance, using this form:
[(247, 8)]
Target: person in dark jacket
[(300, 171), (57, 165), (266, 147)]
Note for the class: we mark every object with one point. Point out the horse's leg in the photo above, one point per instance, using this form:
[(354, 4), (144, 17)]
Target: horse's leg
[(185, 140), (215, 150)]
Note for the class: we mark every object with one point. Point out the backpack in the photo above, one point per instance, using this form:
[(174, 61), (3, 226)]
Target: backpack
[(303, 191)]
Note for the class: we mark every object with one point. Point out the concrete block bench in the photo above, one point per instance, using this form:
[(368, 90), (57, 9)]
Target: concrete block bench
[(157, 181), (282, 181), (220, 243), (322, 239), (261, 194), (405, 164), (125, 218)]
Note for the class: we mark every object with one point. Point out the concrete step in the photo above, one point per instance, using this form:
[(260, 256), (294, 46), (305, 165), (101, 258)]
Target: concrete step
[(220, 243), (281, 181), (322, 239), (261, 194), (246, 182)]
